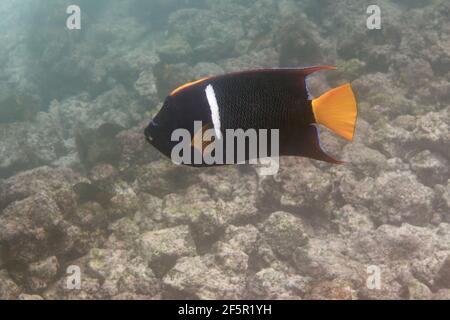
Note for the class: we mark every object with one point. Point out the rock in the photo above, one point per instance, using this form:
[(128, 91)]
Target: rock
[(446, 199), (440, 90), (228, 258), (412, 4), (170, 76), (121, 273), (204, 213), (231, 184), (329, 259), (40, 219), (432, 132), (174, 49), (206, 69), (191, 207), (272, 284), (141, 58), (419, 291), (150, 210), (98, 145), (55, 182), (90, 215), (8, 289), (305, 42), (443, 275), (266, 58), (27, 227), (332, 290), (124, 233), (27, 145), (161, 248), (124, 201), (18, 108), (116, 196), (242, 238), (81, 112), (391, 103), (264, 256), (162, 177), (391, 287), (146, 86), (426, 270), (431, 168), (299, 185), (209, 33), (389, 140), (42, 273), (352, 68), (388, 244), (364, 160), (443, 294), (284, 233), (199, 278), (383, 194), (351, 220), (135, 151), (103, 174), (29, 297), (417, 73), (90, 290)]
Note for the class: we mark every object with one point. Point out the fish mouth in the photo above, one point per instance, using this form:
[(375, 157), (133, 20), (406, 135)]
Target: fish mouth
[(147, 133)]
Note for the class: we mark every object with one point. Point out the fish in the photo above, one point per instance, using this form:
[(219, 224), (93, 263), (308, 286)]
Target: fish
[(262, 99)]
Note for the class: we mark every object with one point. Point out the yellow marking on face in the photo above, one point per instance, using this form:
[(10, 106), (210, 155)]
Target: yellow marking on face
[(199, 141), (187, 85)]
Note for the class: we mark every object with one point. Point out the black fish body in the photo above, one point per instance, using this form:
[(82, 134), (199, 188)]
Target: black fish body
[(260, 99)]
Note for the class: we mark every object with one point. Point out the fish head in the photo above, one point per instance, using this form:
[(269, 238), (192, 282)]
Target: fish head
[(180, 111), (159, 131)]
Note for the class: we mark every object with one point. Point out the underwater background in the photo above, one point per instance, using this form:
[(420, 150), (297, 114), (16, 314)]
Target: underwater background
[(81, 189)]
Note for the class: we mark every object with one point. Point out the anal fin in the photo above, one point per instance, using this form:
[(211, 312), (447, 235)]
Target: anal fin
[(305, 142)]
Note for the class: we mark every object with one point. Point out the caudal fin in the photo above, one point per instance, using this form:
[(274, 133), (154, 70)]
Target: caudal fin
[(337, 111)]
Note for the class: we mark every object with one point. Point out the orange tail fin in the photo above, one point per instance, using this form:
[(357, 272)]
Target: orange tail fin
[(337, 111)]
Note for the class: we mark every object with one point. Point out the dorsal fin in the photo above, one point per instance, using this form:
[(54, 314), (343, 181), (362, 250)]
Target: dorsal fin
[(187, 85), (311, 70)]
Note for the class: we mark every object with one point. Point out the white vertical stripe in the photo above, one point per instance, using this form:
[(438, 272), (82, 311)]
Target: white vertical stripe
[(211, 96)]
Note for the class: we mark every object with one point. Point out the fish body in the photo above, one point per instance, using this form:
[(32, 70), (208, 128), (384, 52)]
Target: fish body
[(268, 99)]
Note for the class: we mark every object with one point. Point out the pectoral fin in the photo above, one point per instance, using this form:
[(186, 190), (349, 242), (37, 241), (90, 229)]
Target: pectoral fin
[(199, 141)]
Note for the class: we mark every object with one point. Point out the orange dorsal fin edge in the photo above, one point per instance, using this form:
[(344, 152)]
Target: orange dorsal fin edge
[(187, 85)]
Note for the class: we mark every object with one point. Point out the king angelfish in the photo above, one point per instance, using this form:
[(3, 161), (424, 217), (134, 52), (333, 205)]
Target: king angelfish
[(256, 99)]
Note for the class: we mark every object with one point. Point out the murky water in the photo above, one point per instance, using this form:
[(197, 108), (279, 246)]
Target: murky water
[(90, 210)]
